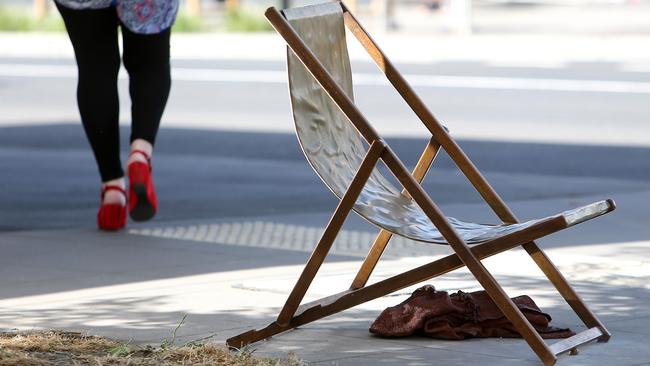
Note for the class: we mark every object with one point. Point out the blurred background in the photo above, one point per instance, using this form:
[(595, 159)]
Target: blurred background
[(550, 98), (431, 16)]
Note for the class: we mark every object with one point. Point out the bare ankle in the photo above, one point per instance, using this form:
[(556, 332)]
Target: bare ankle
[(114, 196), (137, 146)]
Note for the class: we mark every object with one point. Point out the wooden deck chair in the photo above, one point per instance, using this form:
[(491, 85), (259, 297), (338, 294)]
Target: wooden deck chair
[(344, 149)]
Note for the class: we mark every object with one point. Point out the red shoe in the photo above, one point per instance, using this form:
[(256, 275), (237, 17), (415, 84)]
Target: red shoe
[(142, 195), (111, 216)]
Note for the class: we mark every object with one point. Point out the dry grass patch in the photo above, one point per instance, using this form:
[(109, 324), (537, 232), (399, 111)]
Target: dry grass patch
[(71, 348)]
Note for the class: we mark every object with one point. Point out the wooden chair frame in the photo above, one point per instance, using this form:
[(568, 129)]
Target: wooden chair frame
[(293, 314)]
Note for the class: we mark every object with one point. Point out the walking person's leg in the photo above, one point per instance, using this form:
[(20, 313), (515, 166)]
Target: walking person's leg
[(146, 58), (93, 33)]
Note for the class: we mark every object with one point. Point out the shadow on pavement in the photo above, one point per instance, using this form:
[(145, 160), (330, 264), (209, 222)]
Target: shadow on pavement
[(343, 337)]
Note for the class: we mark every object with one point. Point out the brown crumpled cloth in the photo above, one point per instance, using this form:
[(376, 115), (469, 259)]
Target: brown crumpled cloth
[(459, 316)]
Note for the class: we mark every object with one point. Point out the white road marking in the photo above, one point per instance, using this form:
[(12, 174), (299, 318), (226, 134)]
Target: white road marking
[(361, 79)]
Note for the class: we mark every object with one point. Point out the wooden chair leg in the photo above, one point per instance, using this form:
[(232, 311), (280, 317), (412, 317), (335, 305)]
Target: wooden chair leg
[(494, 290), (381, 241), (369, 263), (565, 289), (333, 227)]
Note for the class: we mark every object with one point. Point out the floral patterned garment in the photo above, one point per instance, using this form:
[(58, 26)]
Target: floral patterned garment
[(140, 16)]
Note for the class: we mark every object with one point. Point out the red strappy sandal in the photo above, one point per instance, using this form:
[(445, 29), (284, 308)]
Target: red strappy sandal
[(143, 202), (111, 216)]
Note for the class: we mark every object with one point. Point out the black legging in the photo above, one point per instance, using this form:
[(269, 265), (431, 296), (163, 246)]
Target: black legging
[(93, 34)]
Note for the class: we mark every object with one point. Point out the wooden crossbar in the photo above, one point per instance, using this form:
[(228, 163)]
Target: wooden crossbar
[(377, 148), (570, 344), (381, 241)]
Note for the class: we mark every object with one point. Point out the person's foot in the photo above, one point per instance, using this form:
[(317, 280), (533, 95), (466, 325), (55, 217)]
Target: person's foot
[(143, 202), (112, 210)]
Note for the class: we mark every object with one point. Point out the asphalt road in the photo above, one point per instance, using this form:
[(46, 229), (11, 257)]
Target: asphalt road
[(226, 147)]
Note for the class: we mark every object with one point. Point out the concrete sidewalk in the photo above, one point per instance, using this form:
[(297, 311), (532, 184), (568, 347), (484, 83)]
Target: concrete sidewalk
[(139, 283)]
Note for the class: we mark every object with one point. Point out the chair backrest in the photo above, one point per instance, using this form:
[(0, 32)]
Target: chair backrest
[(330, 142)]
